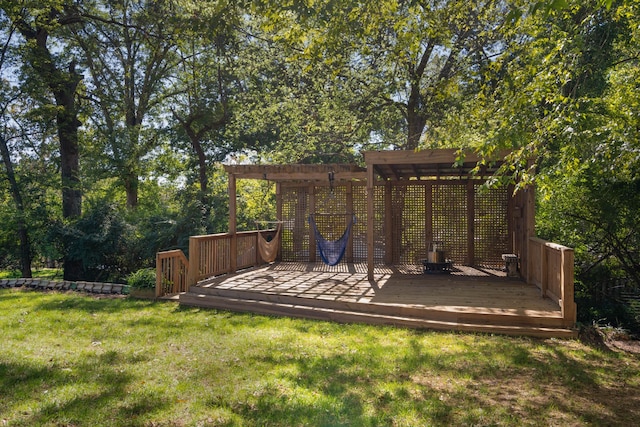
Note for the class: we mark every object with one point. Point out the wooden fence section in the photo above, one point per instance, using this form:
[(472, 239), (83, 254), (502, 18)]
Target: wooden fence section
[(209, 255), (550, 268), (171, 272)]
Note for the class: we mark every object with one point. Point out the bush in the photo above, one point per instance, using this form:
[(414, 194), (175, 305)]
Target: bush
[(142, 279)]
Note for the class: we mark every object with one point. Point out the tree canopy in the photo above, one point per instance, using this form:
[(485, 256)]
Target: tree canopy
[(116, 115)]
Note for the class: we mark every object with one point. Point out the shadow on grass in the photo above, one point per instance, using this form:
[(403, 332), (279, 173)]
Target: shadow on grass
[(92, 304), (92, 390), (482, 380)]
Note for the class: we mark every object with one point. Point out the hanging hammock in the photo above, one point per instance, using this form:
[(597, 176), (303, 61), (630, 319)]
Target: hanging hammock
[(331, 251), (268, 249)]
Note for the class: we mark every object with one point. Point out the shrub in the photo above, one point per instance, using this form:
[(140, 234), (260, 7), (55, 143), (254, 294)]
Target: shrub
[(144, 278)]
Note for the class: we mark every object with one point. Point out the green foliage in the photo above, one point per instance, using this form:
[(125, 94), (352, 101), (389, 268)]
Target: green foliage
[(144, 278), (169, 89), (100, 239)]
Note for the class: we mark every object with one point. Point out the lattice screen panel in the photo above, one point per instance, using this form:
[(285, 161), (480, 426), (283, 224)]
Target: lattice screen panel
[(331, 220), (449, 220), (409, 223), (295, 233), (330, 213), (491, 226), (360, 227)]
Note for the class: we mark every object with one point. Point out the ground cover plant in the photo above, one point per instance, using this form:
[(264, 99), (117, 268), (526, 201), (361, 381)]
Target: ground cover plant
[(68, 359)]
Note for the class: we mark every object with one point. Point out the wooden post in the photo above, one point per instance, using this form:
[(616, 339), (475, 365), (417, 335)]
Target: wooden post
[(428, 211), (569, 309), (279, 217), (370, 222), (299, 223), (471, 213), (388, 223), (232, 223), (529, 219), (349, 202), (312, 236), (194, 262), (511, 245)]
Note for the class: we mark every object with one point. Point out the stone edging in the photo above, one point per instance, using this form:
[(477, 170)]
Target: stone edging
[(54, 285)]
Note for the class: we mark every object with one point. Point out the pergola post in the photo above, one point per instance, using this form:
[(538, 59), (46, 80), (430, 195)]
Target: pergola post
[(388, 223), (312, 236), (370, 222), (233, 223), (471, 209), (279, 213), (349, 217)]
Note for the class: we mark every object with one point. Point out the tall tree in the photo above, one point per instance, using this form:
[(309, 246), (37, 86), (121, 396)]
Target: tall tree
[(204, 83), (42, 26), (564, 100), (410, 61), (14, 187), (129, 53), (8, 95)]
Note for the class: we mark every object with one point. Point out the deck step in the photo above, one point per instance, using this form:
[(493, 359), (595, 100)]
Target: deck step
[(262, 306), (401, 310)]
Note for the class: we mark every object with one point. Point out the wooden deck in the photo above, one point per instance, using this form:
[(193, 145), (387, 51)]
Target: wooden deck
[(465, 300)]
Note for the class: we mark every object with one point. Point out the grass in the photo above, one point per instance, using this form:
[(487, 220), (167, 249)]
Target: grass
[(42, 273), (76, 360)]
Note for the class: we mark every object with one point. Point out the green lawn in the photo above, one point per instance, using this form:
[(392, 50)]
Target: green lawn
[(42, 273), (75, 360)]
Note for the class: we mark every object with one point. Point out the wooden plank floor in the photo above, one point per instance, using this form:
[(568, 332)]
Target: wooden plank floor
[(467, 295)]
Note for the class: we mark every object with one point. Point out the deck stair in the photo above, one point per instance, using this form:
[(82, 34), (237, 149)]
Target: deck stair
[(326, 307)]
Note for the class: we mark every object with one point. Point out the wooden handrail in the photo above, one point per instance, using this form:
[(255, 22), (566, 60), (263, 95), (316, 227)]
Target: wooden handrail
[(172, 270), (215, 254), (209, 255), (550, 267)]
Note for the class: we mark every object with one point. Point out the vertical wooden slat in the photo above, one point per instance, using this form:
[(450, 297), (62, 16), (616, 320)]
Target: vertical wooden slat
[(544, 270)]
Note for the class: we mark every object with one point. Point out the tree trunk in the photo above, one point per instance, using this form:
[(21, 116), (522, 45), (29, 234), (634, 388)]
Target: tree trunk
[(23, 234), (131, 188), (202, 176), (416, 119), (63, 85), (68, 125)]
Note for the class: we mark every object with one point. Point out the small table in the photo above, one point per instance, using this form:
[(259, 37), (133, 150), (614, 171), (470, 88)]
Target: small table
[(437, 267)]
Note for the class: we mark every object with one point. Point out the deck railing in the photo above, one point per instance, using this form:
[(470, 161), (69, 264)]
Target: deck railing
[(550, 268), (171, 272), (209, 255)]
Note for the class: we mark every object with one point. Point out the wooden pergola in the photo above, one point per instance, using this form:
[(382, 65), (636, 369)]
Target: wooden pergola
[(408, 199), (433, 169), (401, 201)]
